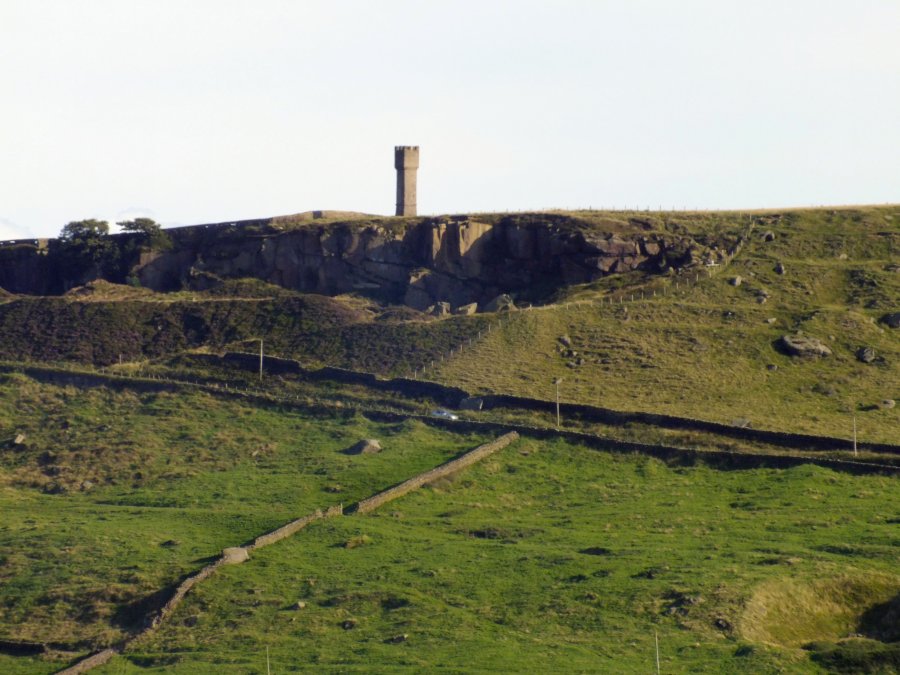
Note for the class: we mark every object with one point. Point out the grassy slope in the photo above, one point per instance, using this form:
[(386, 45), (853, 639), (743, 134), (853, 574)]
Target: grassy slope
[(106, 323), (200, 485), (191, 469), (483, 571), (92, 330), (488, 572), (705, 351)]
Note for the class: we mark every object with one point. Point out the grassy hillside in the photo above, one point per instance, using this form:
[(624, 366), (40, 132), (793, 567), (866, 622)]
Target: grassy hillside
[(101, 331), (547, 556), (556, 558), (105, 323), (706, 350), (709, 350), (114, 495)]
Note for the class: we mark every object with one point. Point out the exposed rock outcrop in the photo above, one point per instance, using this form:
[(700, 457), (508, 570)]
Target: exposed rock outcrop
[(502, 303), (457, 260), (24, 268), (418, 262)]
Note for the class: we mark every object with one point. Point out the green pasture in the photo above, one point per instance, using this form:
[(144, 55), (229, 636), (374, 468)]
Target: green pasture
[(555, 558)]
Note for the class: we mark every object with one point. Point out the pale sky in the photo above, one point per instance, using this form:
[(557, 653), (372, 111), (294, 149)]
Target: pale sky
[(195, 111)]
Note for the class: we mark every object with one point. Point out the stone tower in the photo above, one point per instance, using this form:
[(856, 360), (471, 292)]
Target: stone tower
[(406, 161)]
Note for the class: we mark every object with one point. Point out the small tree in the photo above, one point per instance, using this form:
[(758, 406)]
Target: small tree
[(85, 249), (84, 231), (150, 231)]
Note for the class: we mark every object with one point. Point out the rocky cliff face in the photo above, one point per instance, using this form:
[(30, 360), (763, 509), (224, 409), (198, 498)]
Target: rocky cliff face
[(24, 268), (418, 262), (457, 260)]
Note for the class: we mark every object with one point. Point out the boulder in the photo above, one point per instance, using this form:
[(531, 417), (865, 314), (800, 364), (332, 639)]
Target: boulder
[(616, 246), (439, 309), (604, 263), (736, 280), (235, 555), (865, 354), (891, 320), (19, 439), (768, 236), (651, 248), (367, 446), (888, 403), (802, 345), (565, 340), (779, 268), (502, 303), (466, 310)]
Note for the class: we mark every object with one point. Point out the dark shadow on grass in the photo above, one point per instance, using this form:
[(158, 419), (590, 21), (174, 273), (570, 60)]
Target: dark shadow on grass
[(882, 621), (137, 614), (17, 648), (154, 661), (856, 655)]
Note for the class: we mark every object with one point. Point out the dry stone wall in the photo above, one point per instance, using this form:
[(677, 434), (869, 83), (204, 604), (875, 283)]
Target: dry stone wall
[(91, 662), (234, 555), (293, 527), (719, 459), (237, 555), (453, 396), (407, 486)]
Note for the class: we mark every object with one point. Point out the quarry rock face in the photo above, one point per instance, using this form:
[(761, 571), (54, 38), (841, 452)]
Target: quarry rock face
[(458, 259), (24, 269)]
